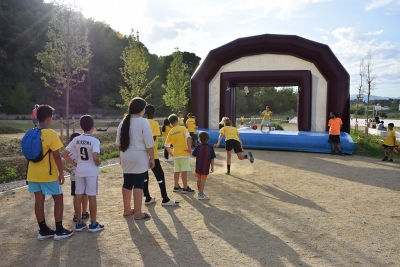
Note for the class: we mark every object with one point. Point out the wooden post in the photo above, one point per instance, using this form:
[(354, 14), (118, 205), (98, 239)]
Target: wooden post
[(61, 129), (73, 124)]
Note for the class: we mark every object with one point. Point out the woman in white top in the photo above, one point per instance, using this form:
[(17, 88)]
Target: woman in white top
[(135, 143)]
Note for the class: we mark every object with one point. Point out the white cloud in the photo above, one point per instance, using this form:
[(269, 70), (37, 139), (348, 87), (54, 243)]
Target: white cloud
[(377, 4), (375, 32), (350, 47), (324, 38)]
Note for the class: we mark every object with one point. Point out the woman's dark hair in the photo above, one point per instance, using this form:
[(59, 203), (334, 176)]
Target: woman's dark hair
[(165, 124), (136, 105)]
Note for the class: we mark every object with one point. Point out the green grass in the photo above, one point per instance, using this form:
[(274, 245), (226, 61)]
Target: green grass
[(369, 146)]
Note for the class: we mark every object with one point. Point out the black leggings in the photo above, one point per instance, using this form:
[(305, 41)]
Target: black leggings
[(159, 174)]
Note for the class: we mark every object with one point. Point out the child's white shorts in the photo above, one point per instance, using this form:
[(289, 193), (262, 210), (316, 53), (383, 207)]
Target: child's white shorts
[(87, 185)]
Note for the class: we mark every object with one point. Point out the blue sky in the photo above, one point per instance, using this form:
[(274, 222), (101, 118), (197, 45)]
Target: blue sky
[(351, 28)]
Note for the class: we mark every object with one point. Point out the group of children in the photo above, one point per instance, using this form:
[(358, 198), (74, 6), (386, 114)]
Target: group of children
[(176, 135), (83, 156)]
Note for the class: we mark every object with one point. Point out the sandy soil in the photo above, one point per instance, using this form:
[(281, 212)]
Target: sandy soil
[(286, 209)]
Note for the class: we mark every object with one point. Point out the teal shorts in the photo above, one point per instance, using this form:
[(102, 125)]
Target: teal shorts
[(181, 165), (47, 188)]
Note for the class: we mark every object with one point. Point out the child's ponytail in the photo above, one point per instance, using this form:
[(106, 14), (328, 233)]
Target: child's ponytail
[(124, 137)]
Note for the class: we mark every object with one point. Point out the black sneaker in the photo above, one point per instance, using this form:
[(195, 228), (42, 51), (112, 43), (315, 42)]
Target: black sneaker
[(333, 153), (63, 234), (187, 190), (340, 153), (46, 234), (390, 160), (177, 189), (385, 159), (251, 158)]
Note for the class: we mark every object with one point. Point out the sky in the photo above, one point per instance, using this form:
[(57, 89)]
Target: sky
[(351, 28)]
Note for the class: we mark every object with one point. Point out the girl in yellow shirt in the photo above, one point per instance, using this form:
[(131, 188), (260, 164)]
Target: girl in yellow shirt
[(232, 140)]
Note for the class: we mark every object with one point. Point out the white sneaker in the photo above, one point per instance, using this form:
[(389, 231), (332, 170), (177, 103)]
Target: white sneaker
[(167, 160), (152, 200), (203, 197), (171, 202)]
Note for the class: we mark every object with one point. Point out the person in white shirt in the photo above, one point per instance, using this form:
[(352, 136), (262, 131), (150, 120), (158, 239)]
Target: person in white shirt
[(135, 144), (87, 165)]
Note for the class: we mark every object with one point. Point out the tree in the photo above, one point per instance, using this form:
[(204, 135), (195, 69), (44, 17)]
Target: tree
[(19, 98), (134, 70), (361, 89), (177, 83), (369, 78), (66, 56)]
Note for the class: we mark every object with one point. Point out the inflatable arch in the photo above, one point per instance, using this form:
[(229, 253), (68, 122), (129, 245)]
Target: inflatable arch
[(272, 60)]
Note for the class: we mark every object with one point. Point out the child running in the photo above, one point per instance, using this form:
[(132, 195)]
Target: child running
[(71, 171), (87, 148), (179, 137), (164, 132), (157, 170), (205, 156), (232, 140)]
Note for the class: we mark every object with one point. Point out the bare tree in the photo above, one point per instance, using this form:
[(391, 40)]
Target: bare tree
[(361, 89), (369, 78)]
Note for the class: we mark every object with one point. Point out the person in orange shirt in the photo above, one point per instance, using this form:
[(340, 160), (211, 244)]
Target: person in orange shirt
[(335, 124)]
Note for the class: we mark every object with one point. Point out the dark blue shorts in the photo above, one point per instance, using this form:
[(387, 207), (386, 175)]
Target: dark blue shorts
[(134, 180)]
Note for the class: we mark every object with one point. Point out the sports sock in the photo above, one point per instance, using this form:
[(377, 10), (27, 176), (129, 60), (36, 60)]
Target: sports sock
[(43, 226), (245, 156), (59, 226), (229, 168)]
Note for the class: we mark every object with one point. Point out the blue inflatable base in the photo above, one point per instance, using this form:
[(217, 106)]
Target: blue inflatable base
[(286, 140)]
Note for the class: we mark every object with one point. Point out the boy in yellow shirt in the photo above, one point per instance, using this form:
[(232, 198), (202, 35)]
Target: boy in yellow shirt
[(267, 118), (179, 137), (191, 126), (46, 177), (390, 143)]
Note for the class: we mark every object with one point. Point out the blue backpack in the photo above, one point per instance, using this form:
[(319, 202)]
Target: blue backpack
[(31, 145)]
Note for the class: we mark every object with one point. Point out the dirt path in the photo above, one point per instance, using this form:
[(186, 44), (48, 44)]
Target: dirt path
[(287, 209)]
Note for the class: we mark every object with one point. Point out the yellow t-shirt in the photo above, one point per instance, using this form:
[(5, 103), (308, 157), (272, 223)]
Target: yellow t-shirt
[(165, 133), (39, 171), (191, 125), (155, 130), (390, 137), (267, 115), (178, 138), (242, 119), (180, 122), (230, 132)]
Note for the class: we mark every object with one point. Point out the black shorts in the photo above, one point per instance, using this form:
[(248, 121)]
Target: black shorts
[(193, 136), (235, 144), (388, 147), (134, 180), (72, 188), (334, 138)]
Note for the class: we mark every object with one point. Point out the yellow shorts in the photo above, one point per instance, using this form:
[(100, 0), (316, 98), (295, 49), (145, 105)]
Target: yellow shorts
[(181, 165)]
